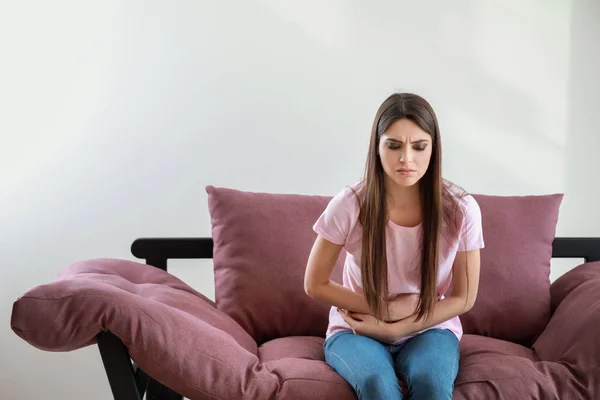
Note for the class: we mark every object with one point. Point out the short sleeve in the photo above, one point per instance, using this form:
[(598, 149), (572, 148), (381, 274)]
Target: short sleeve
[(471, 236), (338, 218)]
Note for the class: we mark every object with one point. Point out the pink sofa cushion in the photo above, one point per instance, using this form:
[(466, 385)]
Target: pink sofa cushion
[(573, 334), (496, 369), (140, 303), (171, 331), (261, 247), (513, 302), (307, 347)]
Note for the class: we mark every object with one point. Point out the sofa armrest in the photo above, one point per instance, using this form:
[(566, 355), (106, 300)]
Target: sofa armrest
[(571, 280), (119, 296), (571, 336), (170, 331)]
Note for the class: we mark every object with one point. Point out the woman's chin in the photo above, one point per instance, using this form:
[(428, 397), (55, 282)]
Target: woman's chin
[(406, 181)]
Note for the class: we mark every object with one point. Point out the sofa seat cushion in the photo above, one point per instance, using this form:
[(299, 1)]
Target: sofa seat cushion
[(475, 348), (299, 362), (308, 379), (496, 369), (306, 347)]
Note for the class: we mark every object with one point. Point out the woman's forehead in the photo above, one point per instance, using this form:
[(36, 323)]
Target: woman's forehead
[(405, 130)]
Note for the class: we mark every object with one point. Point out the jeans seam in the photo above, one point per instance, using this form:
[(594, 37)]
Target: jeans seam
[(343, 362)]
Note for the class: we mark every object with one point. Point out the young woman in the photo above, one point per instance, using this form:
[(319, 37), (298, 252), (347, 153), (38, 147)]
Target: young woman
[(412, 243)]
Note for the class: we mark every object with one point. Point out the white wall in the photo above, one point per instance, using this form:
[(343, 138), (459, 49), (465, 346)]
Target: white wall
[(116, 114)]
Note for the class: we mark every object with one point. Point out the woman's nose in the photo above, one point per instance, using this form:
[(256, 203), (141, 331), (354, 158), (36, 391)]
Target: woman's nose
[(405, 156)]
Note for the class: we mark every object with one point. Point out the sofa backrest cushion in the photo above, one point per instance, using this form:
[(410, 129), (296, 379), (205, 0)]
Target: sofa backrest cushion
[(262, 242), (513, 302), (261, 246)]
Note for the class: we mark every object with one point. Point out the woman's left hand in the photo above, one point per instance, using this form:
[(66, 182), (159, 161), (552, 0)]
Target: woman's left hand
[(368, 325)]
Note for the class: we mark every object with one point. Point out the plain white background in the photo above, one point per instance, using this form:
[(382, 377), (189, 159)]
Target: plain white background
[(115, 115)]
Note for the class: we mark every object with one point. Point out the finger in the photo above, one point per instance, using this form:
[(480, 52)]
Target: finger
[(366, 318), (355, 316), (359, 315), (349, 320)]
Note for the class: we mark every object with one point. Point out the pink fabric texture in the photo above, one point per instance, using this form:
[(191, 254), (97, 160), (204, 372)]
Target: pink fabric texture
[(513, 302), (496, 369), (572, 336), (261, 247), (307, 347), (172, 332), (339, 224)]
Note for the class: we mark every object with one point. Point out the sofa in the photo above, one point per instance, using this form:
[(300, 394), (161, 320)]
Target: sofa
[(262, 337)]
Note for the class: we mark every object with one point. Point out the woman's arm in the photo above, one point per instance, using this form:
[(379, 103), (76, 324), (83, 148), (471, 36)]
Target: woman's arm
[(465, 286), (317, 285), (465, 281)]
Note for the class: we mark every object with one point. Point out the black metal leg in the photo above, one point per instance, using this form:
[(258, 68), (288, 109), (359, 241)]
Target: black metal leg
[(141, 380), (118, 367), (158, 391), (127, 380)]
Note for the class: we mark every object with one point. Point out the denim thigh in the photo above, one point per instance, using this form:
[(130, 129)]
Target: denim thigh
[(366, 364), (428, 363)]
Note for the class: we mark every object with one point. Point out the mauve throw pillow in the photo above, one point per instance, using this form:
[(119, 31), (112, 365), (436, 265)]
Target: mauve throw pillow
[(513, 302), (261, 246)]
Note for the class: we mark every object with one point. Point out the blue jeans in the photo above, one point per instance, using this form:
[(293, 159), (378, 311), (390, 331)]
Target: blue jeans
[(427, 363)]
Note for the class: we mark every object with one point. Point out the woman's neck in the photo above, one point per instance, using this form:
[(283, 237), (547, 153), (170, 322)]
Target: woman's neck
[(402, 197)]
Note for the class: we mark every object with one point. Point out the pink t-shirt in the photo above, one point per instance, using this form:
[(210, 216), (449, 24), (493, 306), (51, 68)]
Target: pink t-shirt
[(339, 224)]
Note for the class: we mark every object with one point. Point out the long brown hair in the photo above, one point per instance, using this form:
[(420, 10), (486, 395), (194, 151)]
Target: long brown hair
[(438, 206)]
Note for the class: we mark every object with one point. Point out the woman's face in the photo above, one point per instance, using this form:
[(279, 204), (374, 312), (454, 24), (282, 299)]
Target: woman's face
[(405, 151)]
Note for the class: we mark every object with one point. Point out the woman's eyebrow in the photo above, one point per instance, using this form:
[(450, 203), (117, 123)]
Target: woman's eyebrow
[(399, 141)]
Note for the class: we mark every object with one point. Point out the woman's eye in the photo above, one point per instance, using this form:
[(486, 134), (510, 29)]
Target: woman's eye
[(394, 146)]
